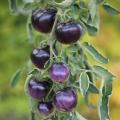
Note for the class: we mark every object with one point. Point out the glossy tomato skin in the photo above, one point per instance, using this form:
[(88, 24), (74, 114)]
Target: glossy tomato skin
[(59, 72), (38, 89), (69, 32), (40, 56), (43, 20), (45, 108), (65, 100)]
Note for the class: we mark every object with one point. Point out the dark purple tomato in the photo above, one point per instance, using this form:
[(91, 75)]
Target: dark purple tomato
[(43, 20), (65, 100), (69, 32), (45, 108), (40, 56), (38, 89), (59, 72)]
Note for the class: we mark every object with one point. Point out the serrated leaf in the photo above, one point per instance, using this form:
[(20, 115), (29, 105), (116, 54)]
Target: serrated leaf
[(80, 117), (84, 83), (15, 78), (103, 108), (110, 9), (92, 6), (94, 53), (93, 89), (104, 72)]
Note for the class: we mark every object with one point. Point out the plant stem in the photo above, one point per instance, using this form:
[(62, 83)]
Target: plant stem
[(51, 37), (73, 116), (32, 117)]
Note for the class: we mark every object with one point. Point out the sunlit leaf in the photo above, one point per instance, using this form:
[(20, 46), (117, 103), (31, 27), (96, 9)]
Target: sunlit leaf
[(94, 53), (15, 78)]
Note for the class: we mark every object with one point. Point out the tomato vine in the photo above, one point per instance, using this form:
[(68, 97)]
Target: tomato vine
[(59, 69)]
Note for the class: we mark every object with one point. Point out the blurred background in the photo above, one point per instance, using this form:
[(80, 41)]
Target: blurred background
[(15, 50)]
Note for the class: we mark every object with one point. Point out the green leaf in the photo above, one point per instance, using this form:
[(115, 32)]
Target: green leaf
[(80, 117), (107, 88), (94, 53), (92, 30), (30, 30), (13, 6), (33, 104), (26, 83), (84, 14), (92, 6), (15, 78), (103, 108), (16, 9), (103, 72), (84, 83), (110, 10), (108, 78), (93, 25), (93, 89)]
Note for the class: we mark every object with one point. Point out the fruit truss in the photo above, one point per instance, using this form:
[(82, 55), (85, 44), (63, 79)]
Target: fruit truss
[(59, 70)]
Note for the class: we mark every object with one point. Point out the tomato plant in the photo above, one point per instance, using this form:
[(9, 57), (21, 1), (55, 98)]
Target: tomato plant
[(59, 69)]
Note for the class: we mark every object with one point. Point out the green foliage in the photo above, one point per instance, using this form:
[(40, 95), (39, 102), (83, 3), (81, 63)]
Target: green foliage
[(94, 53), (84, 83), (110, 10), (93, 89), (103, 72), (13, 6), (92, 5), (103, 108), (88, 15), (15, 78)]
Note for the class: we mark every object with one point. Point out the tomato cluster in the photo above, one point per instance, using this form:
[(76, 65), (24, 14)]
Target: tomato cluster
[(65, 99)]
